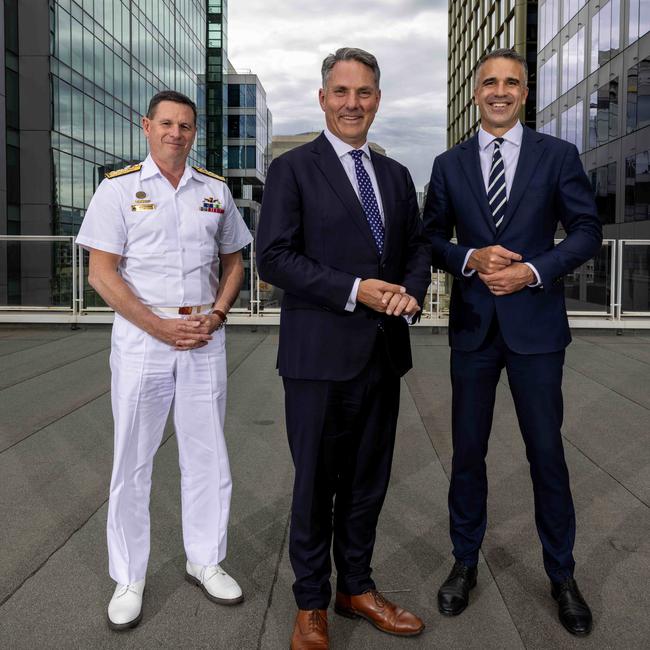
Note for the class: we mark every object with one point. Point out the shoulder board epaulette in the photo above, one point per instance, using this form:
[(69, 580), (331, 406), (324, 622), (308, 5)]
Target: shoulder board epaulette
[(125, 170), (201, 170)]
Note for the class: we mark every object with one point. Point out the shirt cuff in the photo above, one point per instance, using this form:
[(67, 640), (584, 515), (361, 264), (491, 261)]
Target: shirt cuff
[(534, 270), (468, 272), (352, 299)]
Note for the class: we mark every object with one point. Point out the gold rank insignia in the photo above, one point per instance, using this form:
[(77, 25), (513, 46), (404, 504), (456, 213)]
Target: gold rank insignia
[(210, 204), (205, 172), (141, 202), (125, 170)]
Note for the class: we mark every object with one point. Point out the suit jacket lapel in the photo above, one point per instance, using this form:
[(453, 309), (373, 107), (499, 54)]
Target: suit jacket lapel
[(386, 195), (471, 166), (331, 167), (532, 147)]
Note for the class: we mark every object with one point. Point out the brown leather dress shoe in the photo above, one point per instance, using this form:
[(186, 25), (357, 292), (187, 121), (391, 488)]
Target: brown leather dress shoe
[(310, 630), (383, 614)]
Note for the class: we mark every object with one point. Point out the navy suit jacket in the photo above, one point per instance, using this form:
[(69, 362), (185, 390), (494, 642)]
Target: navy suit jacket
[(313, 241), (549, 187)]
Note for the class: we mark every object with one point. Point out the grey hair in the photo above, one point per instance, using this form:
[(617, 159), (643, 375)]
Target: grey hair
[(501, 53), (349, 54)]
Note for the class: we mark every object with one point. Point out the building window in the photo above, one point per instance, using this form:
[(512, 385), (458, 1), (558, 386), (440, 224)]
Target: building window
[(241, 95), (637, 187), (571, 125), (570, 9), (549, 128), (638, 95), (603, 181), (547, 86), (605, 33), (603, 114), (573, 60), (638, 19), (548, 19), (241, 157)]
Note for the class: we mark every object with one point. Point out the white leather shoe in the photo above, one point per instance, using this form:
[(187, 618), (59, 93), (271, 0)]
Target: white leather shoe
[(125, 608), (216, 584)]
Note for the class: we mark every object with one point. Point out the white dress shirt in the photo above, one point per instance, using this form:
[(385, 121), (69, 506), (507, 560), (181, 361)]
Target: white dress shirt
[(510, 149), (342, 150)]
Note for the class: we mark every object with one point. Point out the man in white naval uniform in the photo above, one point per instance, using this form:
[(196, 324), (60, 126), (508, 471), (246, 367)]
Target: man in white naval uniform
[(157, 234)]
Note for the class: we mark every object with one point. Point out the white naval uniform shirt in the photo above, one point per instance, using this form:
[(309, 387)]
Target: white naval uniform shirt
[(170, 253)]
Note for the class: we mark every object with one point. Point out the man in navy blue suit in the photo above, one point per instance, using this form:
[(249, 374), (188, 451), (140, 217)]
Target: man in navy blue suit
[(340, 232), (504, 192)]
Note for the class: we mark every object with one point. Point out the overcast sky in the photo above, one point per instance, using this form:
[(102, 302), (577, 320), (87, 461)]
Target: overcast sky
[(285, 42)]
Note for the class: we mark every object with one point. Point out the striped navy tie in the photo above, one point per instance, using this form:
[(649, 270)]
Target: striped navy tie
[(496, 191)]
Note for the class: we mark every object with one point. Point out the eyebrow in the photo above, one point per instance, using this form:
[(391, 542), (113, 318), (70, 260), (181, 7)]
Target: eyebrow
[(507, 79)]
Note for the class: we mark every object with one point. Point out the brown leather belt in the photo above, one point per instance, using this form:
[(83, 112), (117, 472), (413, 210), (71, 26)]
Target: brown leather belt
[(184, 311)]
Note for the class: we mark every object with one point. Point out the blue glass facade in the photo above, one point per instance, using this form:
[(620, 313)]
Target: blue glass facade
[(108, 59)]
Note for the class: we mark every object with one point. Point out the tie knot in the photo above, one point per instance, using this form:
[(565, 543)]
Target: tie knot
[(498, 142), (357, 154)]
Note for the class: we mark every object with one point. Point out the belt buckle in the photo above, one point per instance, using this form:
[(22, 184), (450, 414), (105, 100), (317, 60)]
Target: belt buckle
[(185, 311)]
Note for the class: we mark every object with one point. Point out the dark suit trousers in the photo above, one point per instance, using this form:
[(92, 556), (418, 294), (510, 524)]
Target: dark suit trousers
[(536, 385), (341, 435)]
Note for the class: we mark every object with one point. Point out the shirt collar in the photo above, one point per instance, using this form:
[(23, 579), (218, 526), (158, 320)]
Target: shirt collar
[(513, 136), (343, 148), (150, 169)]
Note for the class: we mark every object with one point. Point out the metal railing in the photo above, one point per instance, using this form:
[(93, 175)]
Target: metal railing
[(44, 279)]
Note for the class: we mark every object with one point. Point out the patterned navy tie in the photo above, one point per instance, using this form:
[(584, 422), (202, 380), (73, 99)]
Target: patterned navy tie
[(369, 200), (496, 191)]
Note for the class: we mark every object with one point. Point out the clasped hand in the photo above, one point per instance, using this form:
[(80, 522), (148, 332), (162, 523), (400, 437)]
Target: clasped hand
[(387, 298), (188, 333), (501, 270)]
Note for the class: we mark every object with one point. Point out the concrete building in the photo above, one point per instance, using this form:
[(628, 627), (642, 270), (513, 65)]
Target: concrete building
[(474, 29), (79, 76), (284, 143), (594, 91)]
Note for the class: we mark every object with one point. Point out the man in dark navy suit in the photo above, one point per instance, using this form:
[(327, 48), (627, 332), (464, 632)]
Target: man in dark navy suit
[(504, 191), (341, 234)]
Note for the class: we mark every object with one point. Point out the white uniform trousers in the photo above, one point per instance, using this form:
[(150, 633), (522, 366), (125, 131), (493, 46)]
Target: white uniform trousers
[(147, 375)]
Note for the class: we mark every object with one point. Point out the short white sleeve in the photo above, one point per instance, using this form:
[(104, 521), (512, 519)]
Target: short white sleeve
[(233, 234), (103, 226)]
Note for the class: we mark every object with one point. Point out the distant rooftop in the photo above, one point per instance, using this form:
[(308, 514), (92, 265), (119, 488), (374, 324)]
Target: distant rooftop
[(284, 143)]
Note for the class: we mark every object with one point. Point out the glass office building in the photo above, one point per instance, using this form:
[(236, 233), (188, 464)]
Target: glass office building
[(594, 91), (78, 78), (247, 150), (215, 69), (474, 29)]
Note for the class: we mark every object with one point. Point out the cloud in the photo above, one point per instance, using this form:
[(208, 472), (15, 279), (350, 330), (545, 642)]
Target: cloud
[(285, 43)]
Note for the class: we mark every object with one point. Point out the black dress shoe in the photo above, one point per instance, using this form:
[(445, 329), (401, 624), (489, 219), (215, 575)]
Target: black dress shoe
[(453, 596), (574, 612)]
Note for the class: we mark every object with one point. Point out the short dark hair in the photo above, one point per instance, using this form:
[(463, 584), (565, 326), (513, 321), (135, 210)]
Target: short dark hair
[(169, 96), (502, 53), (349, 54)]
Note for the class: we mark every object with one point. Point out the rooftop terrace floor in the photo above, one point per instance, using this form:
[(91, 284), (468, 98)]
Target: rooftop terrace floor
[(55, 463)]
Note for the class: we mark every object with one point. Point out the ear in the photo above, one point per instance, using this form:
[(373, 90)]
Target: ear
[(146, 125), (321, 98)]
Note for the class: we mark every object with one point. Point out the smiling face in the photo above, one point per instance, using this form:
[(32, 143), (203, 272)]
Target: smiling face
[(350, 101), (170, 132), (499, 94)]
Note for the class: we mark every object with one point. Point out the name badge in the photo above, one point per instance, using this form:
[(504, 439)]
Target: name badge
[(141, 202)]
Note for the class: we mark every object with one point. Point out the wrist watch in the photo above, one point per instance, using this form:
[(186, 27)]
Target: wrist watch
[(221, 315)]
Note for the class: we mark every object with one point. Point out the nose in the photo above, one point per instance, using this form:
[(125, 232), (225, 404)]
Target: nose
[(351, 100)]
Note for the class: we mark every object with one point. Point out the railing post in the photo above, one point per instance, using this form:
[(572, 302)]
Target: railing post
[(619, 281)]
